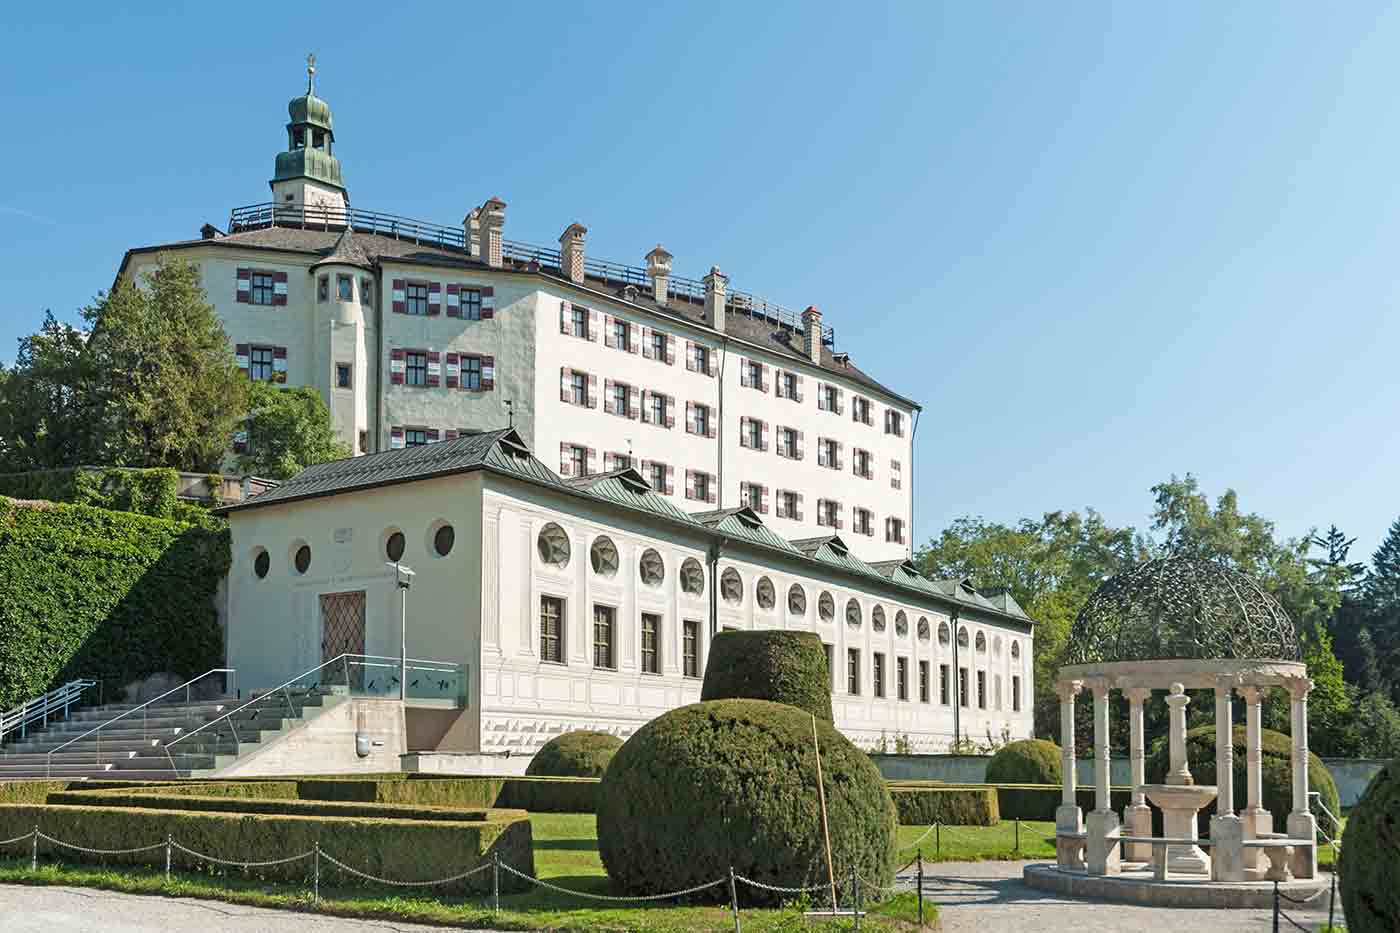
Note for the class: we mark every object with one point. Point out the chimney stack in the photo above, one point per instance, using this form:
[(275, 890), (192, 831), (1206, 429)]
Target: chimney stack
[(492, 218), (715, 284), (471, 232), (659, 269), (812, 333), (571, 252)]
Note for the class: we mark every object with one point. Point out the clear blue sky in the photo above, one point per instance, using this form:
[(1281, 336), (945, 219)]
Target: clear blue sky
[(1101, 243)]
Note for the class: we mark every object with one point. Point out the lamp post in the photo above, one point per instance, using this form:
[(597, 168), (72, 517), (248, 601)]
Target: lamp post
[(403, 579)]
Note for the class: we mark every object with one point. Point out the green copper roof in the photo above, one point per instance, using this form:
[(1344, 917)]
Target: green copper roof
[(316, 164), (832, 550), (627, 487), (745, 525), (308, 108)]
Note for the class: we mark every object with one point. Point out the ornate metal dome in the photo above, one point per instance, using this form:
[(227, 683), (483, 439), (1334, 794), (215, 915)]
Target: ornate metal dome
[(1182, 608)]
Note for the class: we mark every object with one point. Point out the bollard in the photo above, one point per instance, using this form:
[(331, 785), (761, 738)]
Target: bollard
[(734, 899), (168, 840), (921, 889), (316, 877), (495, 882)]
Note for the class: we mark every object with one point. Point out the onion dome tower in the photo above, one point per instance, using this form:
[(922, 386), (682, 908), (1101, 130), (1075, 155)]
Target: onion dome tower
[(306, 178)]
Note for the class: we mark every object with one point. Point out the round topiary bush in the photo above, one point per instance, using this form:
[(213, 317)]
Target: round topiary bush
[(1276, 767), (734, 782), (575, 754), (784, 667), (1029, 761), (1369, 870)]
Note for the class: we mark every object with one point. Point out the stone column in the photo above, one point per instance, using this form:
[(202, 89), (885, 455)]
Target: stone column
[(1226, 829), (1137, 815), (1068, 817), (1257, 820), (1103, 856), (1301, 822)]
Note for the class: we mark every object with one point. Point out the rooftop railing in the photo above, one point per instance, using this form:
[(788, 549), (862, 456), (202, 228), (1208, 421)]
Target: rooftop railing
[(325, 217)]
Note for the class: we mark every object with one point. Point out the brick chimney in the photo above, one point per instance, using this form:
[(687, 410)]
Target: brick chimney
[(659, 269), (492, 218), (571, 252), (715, 284), (812, 333), (471, 232)]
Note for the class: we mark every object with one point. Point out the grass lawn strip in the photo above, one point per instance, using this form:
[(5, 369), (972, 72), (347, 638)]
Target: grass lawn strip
[(566, 854)]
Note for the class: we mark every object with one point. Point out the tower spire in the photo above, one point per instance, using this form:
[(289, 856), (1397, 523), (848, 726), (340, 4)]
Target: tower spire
[(310, 72)]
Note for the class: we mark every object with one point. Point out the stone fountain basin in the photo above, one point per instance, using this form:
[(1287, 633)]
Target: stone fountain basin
[(1180, 796)]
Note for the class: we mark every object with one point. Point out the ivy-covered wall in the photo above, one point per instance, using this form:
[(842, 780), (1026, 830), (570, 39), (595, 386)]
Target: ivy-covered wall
[(89, 592), (146, 491)]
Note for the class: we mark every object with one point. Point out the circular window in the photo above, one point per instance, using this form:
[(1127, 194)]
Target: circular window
[(826, 607), (962, 637), (603, 555), (692, 577), (901, 624), (853, 613), (302, 561), (766, 595), (393, 546), (443, 539), (653, 568), (731, 586), (554, 546), (944, 633), (877, 618), (262, 563), (981, 643), (797, 600), (923, 628)]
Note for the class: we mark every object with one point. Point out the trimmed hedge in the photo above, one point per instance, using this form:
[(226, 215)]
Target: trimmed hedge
[(144, 491), (1029, 761), (782, 667), (404, 850), (575, 754), (1276, 766), (32, 791), (923, 806), (286, 807), (733, 783), (538, 795), (1026, 801), (1369, 870), (110, 595)]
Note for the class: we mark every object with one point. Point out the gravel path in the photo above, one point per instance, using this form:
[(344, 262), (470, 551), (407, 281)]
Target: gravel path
[(981, 897)]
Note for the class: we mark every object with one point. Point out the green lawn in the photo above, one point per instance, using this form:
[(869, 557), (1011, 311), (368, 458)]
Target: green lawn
[(566, 854), (978, 843)]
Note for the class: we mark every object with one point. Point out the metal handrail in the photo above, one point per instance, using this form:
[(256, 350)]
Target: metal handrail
[(1315, 798), (40, 707), (48, 761), (281, 691)]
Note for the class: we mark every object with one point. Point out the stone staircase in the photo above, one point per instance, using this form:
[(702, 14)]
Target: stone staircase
[(132, 747)]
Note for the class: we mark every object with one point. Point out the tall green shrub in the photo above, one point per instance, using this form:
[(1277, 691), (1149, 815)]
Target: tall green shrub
[(113, 595), (1369, 871), (781, 667), (145, 491), (581, 753), (1029, 761)]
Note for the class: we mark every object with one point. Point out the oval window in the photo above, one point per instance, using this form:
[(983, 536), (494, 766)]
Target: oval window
[(981, 643), (923, 628), (393, 547), (826, 607), (553, 546), (766, 595), (443, 539), (853, 618), (797, 600), (962, 637), (945, 634), (731, 586), (303, 558), (877, 618), (901, 624), (603, 554), (653, 568), (262, 564), (693, 577)]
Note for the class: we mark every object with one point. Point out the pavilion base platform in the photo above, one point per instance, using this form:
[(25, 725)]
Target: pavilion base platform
[(1135, 884)]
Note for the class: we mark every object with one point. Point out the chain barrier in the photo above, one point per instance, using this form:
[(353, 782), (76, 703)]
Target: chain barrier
[(915, 844), (78, 848), (780, 889), (610, 897), (219, 861), (402, 884), (26, 836)]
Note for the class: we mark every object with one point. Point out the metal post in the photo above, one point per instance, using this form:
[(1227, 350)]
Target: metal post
[(855, 897), (495, 882), (1275, 907), (938, 839), (1018, 837), (734, 899), (316, 878), (403, 636), (921, 889), (168, 839), (1332, 899), (34, 851)]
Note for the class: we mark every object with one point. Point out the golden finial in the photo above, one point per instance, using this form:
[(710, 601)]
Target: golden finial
[(310, 71)]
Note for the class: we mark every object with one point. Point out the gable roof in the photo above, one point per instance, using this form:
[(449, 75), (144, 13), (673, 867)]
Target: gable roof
[(744, 524), (628, 488)]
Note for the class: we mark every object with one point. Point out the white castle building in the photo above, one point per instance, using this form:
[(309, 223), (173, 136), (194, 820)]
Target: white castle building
[(625, 460)]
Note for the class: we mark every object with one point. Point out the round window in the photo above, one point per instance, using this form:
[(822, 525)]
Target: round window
[(443, 539), (923, 629), (692, 577), (826, 607), (797, 600), (731, 586), (262, 564), (765, 594), (553, 546), (901, 624), (877, 618), (303, 558), (653, 567), (853, 613), (393, 547), (603, 554)]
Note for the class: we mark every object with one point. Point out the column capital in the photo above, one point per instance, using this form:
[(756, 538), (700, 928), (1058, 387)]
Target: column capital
[(1137, 694), (1225, 685), (1068, 689), (1099, 686), (1253, 695), (1298, 687)]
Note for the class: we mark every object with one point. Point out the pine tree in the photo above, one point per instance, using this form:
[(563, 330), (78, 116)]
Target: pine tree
[(1382, 587)]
